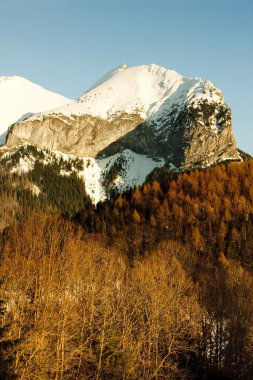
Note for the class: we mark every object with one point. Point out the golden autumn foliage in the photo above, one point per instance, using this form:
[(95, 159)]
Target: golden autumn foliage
[(155, 283), (80, 311), (136, 217), (211, 209)]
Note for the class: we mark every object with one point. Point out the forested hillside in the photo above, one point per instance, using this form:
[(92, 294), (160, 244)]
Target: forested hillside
[(210, 211), (155, 283)]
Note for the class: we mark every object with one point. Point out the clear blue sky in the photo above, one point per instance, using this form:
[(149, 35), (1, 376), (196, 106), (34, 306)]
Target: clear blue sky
[(66, 45)]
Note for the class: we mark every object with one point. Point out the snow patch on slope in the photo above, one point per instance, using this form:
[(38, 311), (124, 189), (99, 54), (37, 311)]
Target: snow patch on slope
[(134, 169)]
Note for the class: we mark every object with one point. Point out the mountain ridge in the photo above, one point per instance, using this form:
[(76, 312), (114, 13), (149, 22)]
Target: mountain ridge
[(145, 87), (146, 111)]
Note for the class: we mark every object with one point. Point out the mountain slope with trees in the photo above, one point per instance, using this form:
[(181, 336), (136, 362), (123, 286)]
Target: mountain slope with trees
[(209, 210), (153, 283)]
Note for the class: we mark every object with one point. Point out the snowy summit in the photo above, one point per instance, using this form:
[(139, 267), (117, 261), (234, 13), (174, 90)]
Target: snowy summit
[(138, 90), (20, 98)]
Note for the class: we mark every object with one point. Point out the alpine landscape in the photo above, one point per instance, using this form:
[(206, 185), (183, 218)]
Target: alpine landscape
[(126, 229)]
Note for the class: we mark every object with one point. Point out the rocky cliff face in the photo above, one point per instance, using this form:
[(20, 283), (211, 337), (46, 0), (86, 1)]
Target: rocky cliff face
[(84, 135), (194, 136)]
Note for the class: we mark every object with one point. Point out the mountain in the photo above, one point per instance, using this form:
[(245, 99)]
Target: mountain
[(154, 249), (131, 121), (19, 98)]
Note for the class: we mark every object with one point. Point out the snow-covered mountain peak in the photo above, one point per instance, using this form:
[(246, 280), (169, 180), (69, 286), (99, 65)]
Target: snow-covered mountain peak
[(147, 91), (19, 98), (107, 76), (131, 90), (146, 83)]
